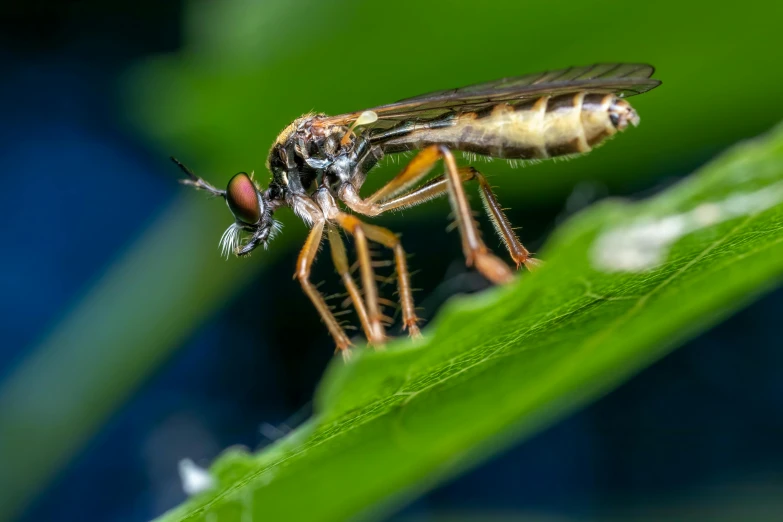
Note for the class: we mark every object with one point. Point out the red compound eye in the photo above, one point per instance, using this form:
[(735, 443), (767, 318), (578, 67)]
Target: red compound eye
[(242, 199)]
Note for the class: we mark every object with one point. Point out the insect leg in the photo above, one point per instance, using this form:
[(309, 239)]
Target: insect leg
[(303, 265), (421, 165), (519, 253), (415, 170), (439, 186), (353, 226), (390, 240), (432, 189), (340, 260), (476, 252)]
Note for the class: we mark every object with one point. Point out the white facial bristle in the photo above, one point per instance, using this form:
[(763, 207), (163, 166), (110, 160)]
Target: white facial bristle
[(276, 228), (229, 240)]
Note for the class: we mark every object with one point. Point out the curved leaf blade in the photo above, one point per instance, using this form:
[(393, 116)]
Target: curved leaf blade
[(503, 364)]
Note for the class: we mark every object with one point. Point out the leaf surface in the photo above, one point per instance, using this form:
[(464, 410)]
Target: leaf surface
[(624, 283)]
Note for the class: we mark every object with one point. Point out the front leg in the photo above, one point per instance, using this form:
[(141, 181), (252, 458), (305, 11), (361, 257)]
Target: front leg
[(303, 266), (370, 316)]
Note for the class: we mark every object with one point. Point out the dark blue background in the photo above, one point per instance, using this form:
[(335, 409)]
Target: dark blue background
[(708, 415)]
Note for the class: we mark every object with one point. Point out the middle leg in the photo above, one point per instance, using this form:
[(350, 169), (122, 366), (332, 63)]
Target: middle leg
[(303, 266), (389, 239), (340, 259)]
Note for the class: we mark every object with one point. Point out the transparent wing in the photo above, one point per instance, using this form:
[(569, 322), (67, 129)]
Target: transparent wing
[(623, 79), (626, 79)]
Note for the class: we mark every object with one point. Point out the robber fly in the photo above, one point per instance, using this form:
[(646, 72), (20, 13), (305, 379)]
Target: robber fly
[(319, 160)]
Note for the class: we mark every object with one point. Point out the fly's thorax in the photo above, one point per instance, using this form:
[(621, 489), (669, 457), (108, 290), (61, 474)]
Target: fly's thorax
[(304, 140), (284, 144)]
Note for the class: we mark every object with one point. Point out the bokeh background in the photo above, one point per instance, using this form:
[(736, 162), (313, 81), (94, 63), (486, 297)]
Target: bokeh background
[(129, 344)]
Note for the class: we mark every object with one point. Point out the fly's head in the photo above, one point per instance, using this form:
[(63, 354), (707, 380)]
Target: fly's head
[(252, 217), (251, 207)]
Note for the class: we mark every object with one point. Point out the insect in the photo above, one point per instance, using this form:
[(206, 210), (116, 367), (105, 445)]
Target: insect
[(318, 161)]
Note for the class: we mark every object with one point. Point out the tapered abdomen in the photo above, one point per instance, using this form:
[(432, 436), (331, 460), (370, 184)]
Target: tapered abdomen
[(539, 129)]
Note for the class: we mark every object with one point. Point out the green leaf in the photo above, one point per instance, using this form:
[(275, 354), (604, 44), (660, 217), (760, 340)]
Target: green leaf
[(624, 283)]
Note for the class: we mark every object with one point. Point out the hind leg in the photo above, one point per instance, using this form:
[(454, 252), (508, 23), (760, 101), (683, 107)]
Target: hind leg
[(476, 252)]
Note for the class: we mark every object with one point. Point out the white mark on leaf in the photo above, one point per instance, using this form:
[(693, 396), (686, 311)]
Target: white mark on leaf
[(645, 243)]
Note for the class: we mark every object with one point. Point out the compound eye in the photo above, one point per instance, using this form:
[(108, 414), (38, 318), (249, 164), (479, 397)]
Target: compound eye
[(242, 199)]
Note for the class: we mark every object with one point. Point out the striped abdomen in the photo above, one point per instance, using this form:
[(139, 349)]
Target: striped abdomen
[(539, 129)]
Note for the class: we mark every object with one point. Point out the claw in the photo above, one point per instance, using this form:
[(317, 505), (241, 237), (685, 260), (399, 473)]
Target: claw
[(533, 264), (493, 268), (413, 331)]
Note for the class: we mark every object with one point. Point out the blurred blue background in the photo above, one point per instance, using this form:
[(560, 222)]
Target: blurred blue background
[(148, 348)]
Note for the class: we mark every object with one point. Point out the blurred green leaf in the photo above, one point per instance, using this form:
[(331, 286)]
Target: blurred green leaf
[(624, 283)]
